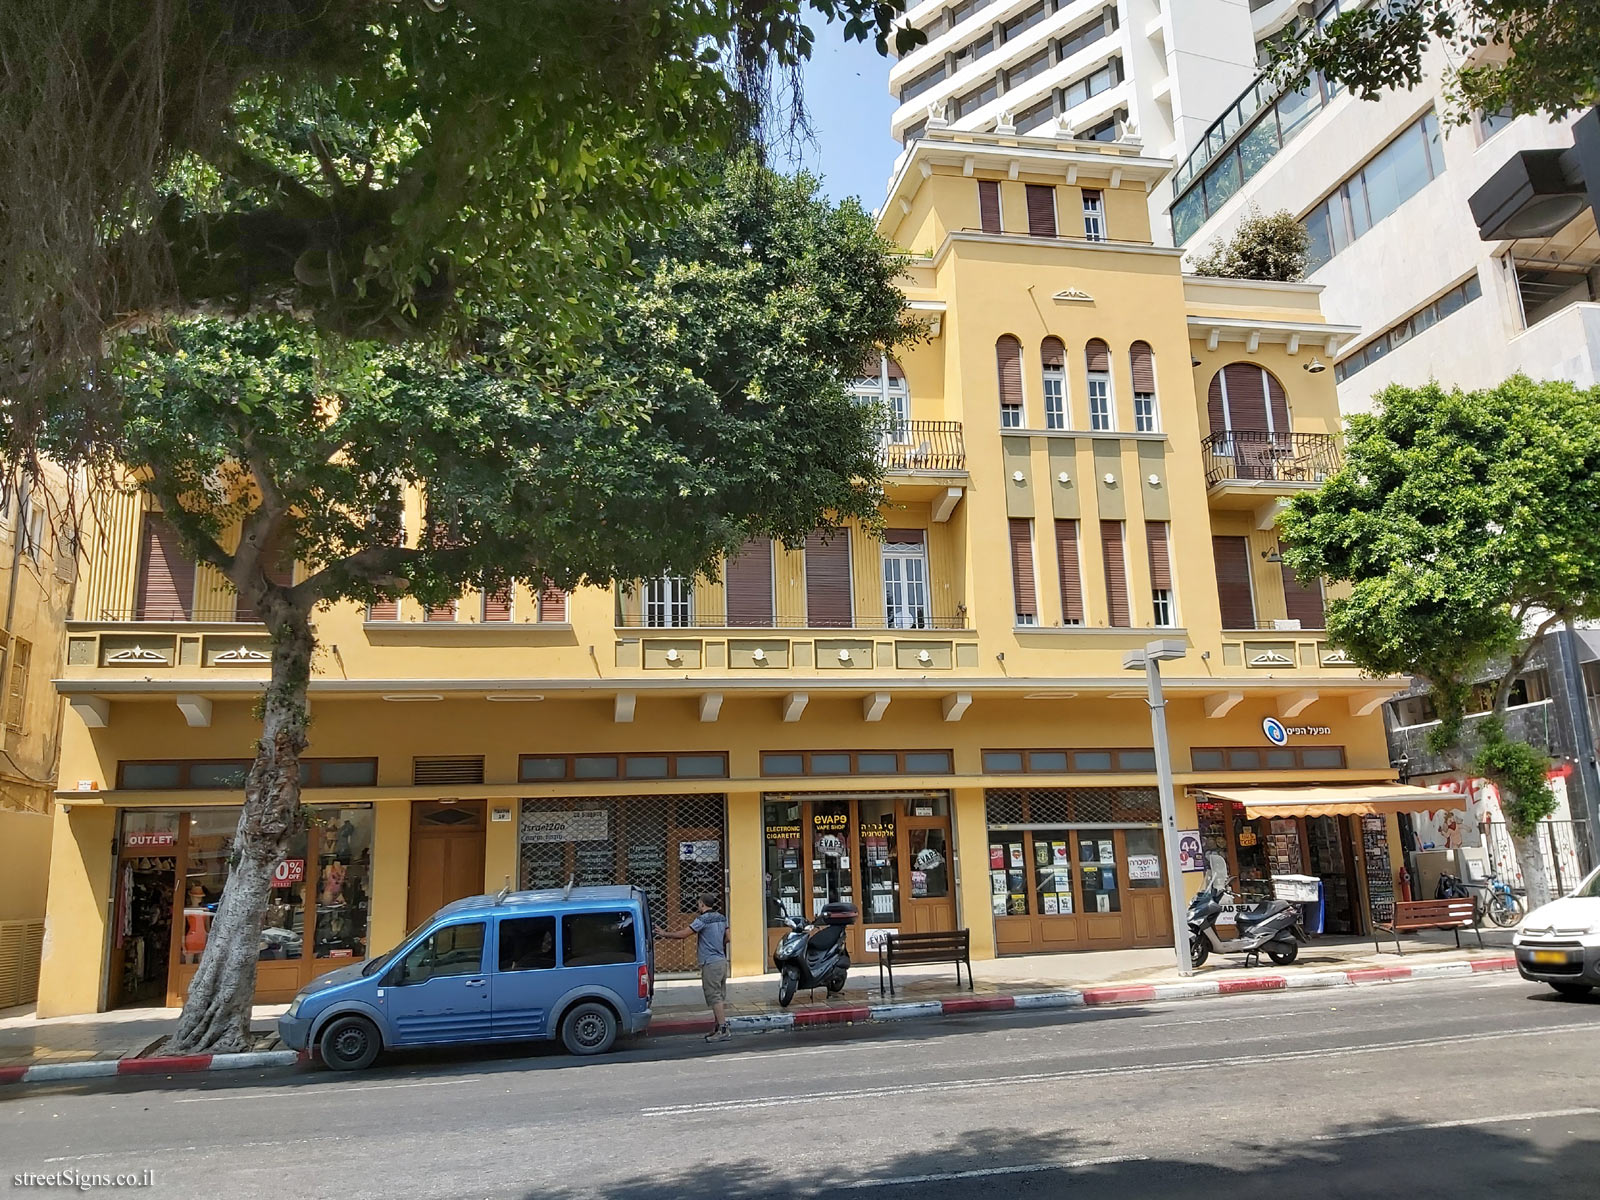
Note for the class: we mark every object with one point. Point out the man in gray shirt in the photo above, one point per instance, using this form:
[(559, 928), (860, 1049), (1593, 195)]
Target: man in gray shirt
[(711, 951)]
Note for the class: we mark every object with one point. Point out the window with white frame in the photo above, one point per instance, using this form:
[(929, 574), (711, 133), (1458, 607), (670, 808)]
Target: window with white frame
[(30, 524), (1094, 215), (886, 392), (1098, 357), (1142, 361), (668, 602), (1054, 366), (905, 584)]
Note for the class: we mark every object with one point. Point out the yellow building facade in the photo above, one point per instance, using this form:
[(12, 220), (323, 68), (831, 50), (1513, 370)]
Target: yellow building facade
[(1087, 451), (38, 564)]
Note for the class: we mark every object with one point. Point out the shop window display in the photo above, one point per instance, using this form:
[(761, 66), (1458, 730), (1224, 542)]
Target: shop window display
[(930, 864), (1052, 872), (880, 862), (1144, 858), (1097, 873), (344, 881), (784, 874), (1006, 879)]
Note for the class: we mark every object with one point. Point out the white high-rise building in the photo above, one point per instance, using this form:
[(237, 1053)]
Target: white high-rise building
[(1155, 70), (1385, 189)]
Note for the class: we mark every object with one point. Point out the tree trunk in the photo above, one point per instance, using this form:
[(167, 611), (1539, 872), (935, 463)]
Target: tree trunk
[(1531, 859), (216, 1011)]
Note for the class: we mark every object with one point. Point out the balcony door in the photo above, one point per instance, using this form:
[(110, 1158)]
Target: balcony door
[(905, 579)]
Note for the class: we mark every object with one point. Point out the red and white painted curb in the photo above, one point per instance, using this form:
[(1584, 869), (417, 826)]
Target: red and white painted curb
[(168, 1064), (1089, 997), (839, 1014)]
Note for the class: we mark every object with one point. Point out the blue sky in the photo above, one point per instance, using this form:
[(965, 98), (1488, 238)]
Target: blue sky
[(847, 91)]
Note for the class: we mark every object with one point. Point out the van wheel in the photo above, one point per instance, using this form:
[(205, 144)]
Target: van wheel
[(350, 1044), (1573, 991), (589, 1028)]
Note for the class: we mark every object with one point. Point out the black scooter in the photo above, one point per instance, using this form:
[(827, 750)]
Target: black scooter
[(1274, 927), (813, 953)]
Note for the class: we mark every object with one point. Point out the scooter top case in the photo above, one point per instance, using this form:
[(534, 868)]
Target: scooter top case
[(839, 912)]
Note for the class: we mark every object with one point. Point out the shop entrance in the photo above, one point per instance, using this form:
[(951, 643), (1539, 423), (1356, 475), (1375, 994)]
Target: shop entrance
[(1076, 869), (886, 853), (146, 890), (446, 855)]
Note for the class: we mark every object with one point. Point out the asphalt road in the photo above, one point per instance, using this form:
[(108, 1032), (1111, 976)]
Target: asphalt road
[(1486, 1087)]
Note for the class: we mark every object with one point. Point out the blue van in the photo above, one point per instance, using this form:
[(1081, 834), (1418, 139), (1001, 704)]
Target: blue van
[(577, 964)]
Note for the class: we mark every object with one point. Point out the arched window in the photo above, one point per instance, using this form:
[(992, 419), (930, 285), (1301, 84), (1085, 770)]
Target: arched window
[(1053, 365), (882, 384), (1008, 360), (1097, 356), (1142, 361), (1248, 411)]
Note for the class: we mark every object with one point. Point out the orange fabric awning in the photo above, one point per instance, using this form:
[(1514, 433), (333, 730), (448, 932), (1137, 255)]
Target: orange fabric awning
[(1347, 800)]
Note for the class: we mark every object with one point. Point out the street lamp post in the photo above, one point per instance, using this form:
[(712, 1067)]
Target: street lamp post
[(1150, 659)]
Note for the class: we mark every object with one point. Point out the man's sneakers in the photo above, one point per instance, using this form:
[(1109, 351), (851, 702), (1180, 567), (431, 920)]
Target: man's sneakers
[(719, 1034)]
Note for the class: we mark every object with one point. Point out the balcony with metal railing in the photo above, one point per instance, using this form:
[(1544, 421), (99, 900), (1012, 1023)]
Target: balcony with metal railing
[(930, 447), (1259, 459)]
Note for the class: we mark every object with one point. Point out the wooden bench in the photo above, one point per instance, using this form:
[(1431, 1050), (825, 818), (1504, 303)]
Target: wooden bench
[(952, 946), (1455, 915)]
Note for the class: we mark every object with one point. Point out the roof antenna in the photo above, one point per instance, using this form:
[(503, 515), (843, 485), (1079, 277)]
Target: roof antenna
[(567, 891), (500, 896)]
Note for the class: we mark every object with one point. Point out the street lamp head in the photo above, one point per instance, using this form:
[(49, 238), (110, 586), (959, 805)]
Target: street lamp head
[(1166, 649), (1133, 660)]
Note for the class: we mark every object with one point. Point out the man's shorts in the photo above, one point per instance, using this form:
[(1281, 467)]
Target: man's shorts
[(714, 981)]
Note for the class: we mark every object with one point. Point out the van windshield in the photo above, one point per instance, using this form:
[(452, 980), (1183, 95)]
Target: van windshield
[(383, 960)]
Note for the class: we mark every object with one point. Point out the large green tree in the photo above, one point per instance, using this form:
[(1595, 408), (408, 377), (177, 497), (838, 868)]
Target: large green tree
[(1466, 525), (389, 169), (1525, 55), (707, 407)]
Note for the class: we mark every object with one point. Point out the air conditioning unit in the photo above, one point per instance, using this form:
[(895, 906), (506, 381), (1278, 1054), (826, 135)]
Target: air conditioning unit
[(1286, 622)]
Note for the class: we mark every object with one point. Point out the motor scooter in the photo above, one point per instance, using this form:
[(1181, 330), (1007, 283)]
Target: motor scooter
[(813, 953), (1274, 927)]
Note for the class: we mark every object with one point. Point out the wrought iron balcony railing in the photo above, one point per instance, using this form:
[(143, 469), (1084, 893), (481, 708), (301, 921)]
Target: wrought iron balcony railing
[(1253, 457), (923, 446), (900, 623)]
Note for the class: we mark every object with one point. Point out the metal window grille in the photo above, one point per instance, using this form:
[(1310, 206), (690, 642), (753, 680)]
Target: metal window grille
[(670, 847), (1073, 806), (428, 772)]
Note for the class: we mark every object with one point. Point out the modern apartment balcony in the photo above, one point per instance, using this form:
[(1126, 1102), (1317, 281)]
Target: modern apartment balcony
[(1253, 470)]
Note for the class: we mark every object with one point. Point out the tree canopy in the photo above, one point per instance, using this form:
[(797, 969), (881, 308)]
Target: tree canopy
[(1523, 55), (389, 169), (1465, 525), (1271, 246)]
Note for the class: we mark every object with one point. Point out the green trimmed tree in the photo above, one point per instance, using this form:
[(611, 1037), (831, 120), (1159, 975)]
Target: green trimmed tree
[(1270, 246), (1466, 525), (1524, 55), (707, 406)]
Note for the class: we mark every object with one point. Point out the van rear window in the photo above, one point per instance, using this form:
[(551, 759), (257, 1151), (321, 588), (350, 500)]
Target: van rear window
[(594, 939)]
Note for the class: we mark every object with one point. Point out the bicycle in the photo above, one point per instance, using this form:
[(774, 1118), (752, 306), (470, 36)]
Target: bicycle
[(1500, 903)]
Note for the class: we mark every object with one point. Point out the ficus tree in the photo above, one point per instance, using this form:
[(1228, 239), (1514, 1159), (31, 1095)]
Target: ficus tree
[(707, 407), (388, 169), (1466, 524), (1271, 246), (1524, 55)]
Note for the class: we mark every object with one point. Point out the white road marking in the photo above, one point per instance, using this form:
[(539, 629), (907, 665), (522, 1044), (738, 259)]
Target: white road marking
[(979, 1084), (1275, 1016), (1460, 1123), (327, 1089), (988, 1172)]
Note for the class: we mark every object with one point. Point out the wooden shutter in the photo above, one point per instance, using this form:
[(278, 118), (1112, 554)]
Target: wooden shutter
[(383, 610), (1052, 353), (1214, 409), (1232, 556), (1155, 534), (894, 370), (905, 537), (1247, 398), (989, 205), (442, 612), (552, 603), (1143, 363), (497, 605), (1278, 402), (1116, 565), (1098, 355), (166, 575), (828, 603), (1027, 600), (1041, 210), (748, 580), (1008, 360), (1071, 572), (1302, 601)]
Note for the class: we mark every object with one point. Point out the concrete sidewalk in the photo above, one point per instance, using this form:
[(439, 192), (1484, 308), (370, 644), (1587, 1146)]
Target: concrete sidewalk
[(128, 1041)]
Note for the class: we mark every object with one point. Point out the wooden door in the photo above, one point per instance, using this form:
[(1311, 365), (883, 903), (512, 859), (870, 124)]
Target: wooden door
[(929, 901), (446, 856)]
